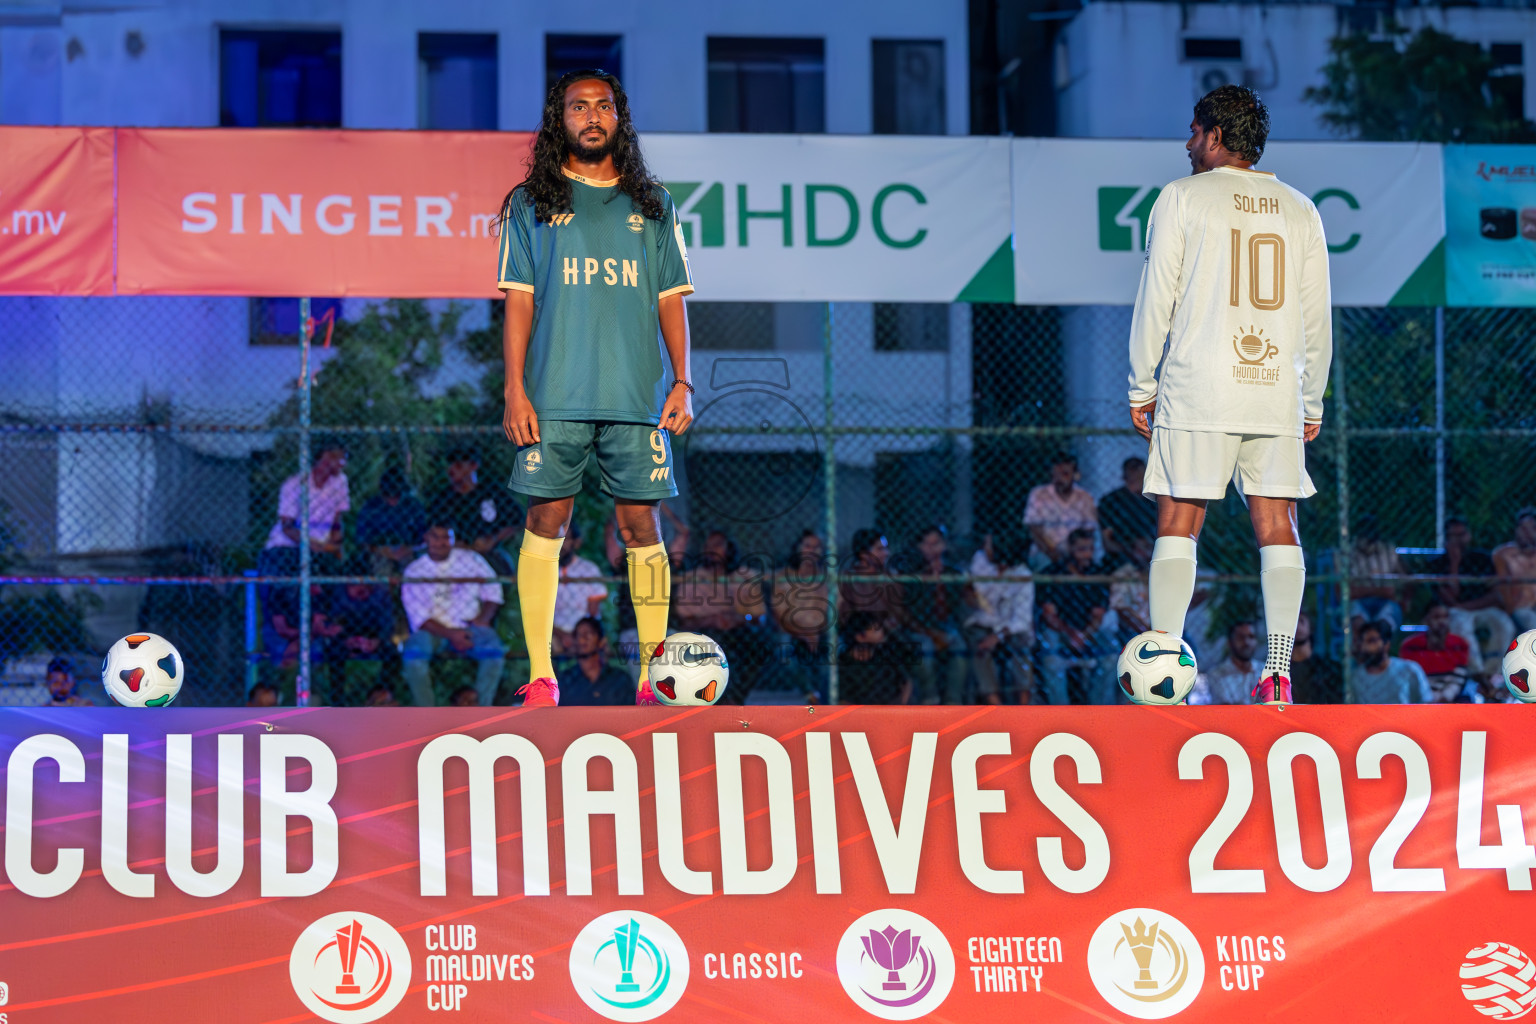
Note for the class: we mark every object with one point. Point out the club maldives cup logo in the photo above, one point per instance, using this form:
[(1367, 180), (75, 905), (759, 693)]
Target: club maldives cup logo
[(629, 966), (895, 964), (350, 968), (1146, 963)]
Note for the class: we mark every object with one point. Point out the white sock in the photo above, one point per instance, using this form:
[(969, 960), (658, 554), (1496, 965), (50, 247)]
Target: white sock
[(1171, 583), (1283, 579)]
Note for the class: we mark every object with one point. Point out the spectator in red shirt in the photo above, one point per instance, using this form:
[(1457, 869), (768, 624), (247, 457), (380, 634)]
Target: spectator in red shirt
[(1439, 652)]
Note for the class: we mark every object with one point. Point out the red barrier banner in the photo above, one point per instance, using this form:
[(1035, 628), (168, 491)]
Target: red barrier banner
[(768, 864), (56, 207), (283, 212)]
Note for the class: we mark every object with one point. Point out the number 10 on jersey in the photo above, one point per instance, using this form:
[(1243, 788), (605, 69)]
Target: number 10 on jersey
[(1266, 252)]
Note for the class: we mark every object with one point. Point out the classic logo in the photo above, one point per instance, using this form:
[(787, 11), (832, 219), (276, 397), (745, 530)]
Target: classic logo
[(895, 964), (1145, 963), (1497, 980), (532, 460), (629, 966), (350, 968)]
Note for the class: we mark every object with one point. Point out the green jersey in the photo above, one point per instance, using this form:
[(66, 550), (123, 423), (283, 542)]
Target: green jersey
[(597, 274)]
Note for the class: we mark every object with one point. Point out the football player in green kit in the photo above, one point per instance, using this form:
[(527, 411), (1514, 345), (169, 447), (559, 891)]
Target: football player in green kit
[(594, 268)]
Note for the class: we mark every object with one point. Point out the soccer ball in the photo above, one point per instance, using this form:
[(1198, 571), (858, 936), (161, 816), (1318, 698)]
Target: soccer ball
[(1520, 667), (688, 670), (142, 670), (1157, 668)]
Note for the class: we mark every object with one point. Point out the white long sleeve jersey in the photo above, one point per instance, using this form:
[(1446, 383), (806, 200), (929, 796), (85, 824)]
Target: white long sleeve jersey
[(1235, 287)]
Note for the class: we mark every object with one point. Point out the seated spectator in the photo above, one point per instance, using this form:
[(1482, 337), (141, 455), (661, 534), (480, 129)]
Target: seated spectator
[(382, 696), (464, 697), (483, 516), (280, 634), (1002, 628), (1125, 513), (328, 501), (1374, 600), (1055, 509), (262, 695), (455, 615), (936, 615), (1072, 628), (1473, 606), (592, 681), (1128, 595), (1315, 679), (802, 610), (1383, 679), (1440, 653), (390, 524), (363, 615), (871, 669), (575, 601), (865, 587), (63, 692), (726, 600), (1234, 678), (1516, 561)]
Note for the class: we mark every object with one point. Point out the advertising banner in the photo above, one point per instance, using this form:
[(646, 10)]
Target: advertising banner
[(1080, 209), (768, 864), (56, 211), (1490, 218)]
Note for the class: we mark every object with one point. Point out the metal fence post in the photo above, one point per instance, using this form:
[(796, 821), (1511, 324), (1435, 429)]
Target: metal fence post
[(1341, 467), (1440, 427), (251, 633), (829, 469), (302, 681)]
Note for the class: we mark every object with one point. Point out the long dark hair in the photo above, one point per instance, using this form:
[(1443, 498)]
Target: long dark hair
[(548, 190)]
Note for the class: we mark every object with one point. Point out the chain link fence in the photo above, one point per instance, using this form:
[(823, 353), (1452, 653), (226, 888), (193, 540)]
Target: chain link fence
[(851, 517)]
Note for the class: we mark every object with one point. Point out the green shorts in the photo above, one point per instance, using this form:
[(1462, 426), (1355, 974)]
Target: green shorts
[(635, 460)]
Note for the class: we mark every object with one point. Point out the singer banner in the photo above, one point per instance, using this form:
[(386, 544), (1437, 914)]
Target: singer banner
[(56, 211), (768, 864)]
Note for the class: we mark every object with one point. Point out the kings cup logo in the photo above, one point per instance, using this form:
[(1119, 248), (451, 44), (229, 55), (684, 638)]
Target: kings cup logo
[(350, 968), (629, 966), (895, 964), (1145, 963)]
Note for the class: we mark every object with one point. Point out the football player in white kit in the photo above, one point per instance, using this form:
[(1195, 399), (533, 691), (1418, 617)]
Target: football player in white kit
[(1230, 346)]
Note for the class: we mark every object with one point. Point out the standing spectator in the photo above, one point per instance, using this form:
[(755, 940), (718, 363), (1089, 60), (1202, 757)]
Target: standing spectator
[(1125, 513), (575, 601), (1440, 653), (1315, 679), (1002, 628), (1235, 678), (1057, 508), (727, 600), (62, 690), (1128, 595), (390, 524), (363, 615), (1374, 600), (1072, 621), (936, 613), (329, 499), (456, 614), (1516, 561), (802, 611), (1384, 679), (592, 681), (1473, 606), (870, 669), (483, 516)]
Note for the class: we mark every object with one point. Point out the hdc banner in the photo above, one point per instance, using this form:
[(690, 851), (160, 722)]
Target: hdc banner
[(56, 211), (768, 864), (1080, 210)]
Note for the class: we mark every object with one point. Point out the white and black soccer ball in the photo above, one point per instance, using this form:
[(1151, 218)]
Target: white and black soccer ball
[(1157, 668), (142, 670), (688, 670), (1520, 667)]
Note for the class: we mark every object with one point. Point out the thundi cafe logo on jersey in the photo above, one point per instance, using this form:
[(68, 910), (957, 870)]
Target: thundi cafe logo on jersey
[(350, 968), (1146, 963), (629, 966), (1253, 351)]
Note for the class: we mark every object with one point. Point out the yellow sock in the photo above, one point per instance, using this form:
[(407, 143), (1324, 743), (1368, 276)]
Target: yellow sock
[(650, 588), (538, 576)]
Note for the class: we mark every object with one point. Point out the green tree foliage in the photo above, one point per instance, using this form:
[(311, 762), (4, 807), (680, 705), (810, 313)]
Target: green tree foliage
[(1426, 86)]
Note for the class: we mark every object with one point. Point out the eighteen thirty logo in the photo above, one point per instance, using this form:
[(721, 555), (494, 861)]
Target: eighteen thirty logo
[(1499, 980), (629, 966), (350, 968), (895, 964), (1145, 963)]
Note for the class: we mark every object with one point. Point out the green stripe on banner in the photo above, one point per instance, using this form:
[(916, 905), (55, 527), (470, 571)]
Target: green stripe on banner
[(994, 281), (1426, 285)]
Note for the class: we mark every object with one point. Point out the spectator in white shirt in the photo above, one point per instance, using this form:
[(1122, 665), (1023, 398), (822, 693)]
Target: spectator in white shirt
[(1057, 508), (575, 601), (456, 614), (1001, 630), (328, 500)]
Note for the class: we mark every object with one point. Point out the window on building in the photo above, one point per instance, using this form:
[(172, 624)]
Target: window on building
[(731, 326), (762, 84), (911, 327), (908, 80), (279, 79), (276, 321), (1508, 81), (456, 81), (564, 53)]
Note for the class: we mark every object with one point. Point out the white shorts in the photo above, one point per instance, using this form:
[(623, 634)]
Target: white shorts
[(1198, 464)]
